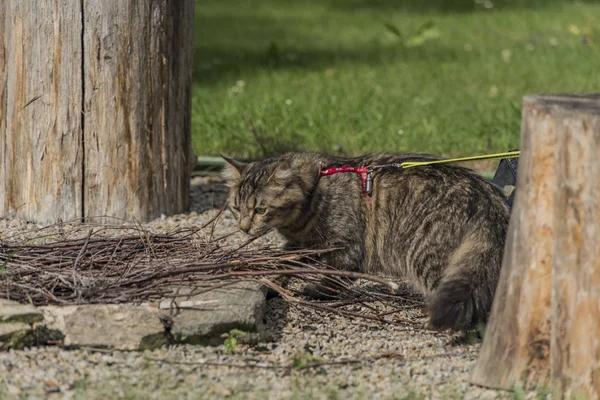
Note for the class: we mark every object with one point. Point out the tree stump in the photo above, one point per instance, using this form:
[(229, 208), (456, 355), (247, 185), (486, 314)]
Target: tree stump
[(95, 103), (544, 328)]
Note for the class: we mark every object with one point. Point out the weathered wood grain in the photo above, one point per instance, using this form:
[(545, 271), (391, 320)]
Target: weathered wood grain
[(40, 158), (3, 83), (575, 345), (138, 59), (517, 338), (544, 328), (95, 102)]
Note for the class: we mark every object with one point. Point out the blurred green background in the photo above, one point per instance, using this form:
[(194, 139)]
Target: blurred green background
[(352, 76)]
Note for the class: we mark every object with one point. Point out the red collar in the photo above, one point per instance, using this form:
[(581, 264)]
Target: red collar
[(366, 175)]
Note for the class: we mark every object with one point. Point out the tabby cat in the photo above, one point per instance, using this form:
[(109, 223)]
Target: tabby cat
[(441, 227)]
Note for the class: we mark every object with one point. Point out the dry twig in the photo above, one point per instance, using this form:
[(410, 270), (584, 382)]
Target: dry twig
[(139, 266)]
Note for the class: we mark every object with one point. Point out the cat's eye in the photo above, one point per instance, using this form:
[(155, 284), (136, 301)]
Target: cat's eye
[(260, 210)]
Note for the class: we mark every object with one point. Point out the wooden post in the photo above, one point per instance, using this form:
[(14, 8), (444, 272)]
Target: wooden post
[(40, 161), (544, 329), (3, 71), (96, 113)]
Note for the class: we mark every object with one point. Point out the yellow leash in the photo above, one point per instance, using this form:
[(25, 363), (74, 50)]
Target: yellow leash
[(366, 171), (509, 154)]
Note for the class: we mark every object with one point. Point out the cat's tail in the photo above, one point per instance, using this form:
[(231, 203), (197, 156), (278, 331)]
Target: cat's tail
[(466, 291), (452, 306)]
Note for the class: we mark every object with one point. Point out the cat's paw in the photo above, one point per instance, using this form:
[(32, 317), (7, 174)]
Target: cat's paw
[(430, 326), (320, 293)]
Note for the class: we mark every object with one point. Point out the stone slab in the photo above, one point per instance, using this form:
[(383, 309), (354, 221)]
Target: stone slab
[(202, 318), (14, 335), (109, 326), (188, 318), (12, 311)]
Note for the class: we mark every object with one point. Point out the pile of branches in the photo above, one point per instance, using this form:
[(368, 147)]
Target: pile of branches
[(107, 266)]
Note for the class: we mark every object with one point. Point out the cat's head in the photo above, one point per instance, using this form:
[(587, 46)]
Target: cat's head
[(266, 194)]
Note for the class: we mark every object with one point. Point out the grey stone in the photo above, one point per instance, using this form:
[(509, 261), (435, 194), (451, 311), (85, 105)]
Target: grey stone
[(202, 318), (14, 335), (112, 326), (11, 311), (483, 394)]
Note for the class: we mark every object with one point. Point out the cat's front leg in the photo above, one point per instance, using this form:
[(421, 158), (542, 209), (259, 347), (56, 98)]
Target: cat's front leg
[(340, 257), (330, 287), (282, 280), (319, 290)]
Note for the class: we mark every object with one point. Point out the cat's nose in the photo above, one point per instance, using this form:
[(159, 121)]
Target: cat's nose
[(245, 224)]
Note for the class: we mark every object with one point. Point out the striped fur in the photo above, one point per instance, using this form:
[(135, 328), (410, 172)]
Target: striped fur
[(441, 227)]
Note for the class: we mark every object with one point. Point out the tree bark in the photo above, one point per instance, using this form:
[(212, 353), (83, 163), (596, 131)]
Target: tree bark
[(137, 107), (544, 328), (98, 104), (40, 158), (575, 345), (3, 79)]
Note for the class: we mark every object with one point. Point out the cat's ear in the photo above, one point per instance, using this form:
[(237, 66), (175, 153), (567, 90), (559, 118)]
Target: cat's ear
[(233, 169), (283, 171)]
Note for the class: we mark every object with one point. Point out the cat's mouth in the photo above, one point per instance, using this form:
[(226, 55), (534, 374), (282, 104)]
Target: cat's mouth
[(258, 231)]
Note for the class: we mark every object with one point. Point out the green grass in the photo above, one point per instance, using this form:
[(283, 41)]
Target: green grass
[(331, 75)]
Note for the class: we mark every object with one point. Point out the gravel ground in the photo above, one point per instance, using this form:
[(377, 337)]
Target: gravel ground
[(359, 359)]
